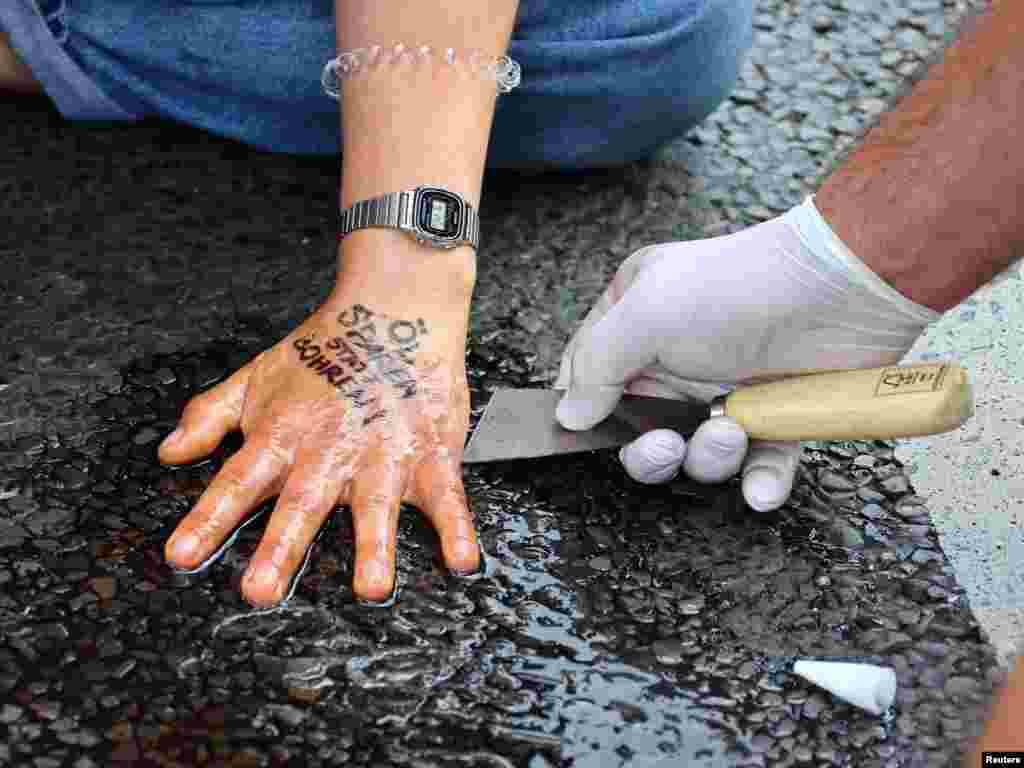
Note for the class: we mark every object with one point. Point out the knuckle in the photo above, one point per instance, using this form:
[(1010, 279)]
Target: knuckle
[(279, 455), (304, 496), (377, 503), (195, 407), (232, 478), (272, 438)]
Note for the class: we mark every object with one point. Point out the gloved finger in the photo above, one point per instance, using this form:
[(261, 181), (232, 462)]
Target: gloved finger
[(654, 457), (716, 451), (624, 277), (769, 472)]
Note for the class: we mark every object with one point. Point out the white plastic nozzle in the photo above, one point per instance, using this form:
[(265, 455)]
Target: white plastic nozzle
[(866, 686)]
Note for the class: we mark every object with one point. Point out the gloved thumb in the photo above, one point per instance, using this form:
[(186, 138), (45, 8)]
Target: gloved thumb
[(582, 410), (601, 361)]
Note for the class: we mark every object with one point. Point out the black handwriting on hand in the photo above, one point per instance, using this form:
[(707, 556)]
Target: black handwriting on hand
[(375, 349)]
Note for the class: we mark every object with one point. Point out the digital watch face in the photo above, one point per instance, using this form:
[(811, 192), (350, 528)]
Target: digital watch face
[(439, 213)]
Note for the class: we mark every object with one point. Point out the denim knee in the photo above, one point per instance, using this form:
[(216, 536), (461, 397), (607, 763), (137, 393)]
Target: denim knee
[(605, 102), (604, 82)]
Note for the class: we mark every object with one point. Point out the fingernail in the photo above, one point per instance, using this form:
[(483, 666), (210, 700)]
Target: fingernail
[(464, 550), (384, 602), (172, 439), (264, 576), (373, 574), (184, 546)]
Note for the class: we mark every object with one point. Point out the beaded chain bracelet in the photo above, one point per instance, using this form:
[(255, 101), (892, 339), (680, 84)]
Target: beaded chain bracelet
[(505, 70)]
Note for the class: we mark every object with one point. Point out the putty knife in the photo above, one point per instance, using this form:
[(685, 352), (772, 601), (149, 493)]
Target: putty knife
[(863, 404)]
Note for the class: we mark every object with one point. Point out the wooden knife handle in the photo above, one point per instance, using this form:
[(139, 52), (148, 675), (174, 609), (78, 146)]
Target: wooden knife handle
[(865, 404)]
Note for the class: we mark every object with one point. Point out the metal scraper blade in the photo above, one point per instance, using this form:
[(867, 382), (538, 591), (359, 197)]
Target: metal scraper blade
[(521, 424)]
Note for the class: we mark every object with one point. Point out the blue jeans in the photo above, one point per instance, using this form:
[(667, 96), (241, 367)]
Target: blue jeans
[(604, 82)]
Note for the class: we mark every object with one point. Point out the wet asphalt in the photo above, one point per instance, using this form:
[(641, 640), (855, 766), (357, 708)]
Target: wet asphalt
[(613, 624)]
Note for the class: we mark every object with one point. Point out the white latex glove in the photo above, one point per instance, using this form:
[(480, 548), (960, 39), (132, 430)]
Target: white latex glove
[(693, 319)]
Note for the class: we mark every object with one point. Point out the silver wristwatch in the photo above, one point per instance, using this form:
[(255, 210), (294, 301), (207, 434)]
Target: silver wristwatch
[(432, 215)]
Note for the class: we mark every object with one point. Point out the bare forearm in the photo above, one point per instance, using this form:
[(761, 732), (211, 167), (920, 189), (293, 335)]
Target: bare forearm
[(15, 76), (1003, 728), (407, 124), (932, 200)]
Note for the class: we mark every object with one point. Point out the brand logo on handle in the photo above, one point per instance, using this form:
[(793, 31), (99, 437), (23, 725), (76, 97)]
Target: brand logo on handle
[(909, 379)]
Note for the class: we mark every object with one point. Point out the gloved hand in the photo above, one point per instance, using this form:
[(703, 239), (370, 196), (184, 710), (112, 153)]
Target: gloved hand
[(693, 319)]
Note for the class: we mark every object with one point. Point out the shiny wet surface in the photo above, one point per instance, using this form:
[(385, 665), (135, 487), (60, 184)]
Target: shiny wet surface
[(612, 624)]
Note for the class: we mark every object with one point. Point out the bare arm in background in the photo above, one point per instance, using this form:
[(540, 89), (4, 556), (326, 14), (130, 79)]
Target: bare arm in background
[(15, 76), (1005, 727), (932, 200)]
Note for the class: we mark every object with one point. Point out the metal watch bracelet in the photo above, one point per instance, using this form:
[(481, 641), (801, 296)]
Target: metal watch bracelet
[(433, 215)]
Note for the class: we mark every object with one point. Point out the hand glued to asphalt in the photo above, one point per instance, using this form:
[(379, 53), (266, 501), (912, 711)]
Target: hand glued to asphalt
[(361, 406)]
